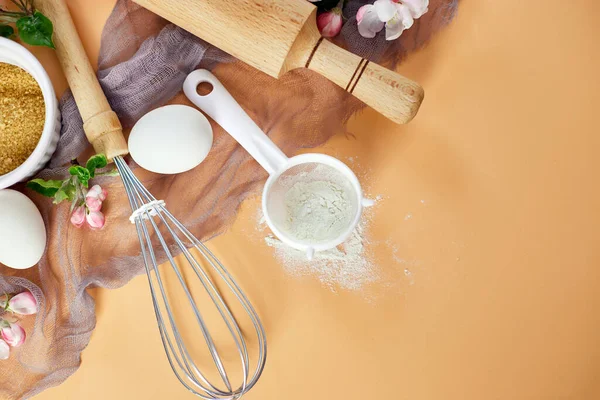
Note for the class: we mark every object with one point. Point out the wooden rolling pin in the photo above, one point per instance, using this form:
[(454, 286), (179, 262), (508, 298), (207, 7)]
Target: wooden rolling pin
[(100, 123), (276, 36)]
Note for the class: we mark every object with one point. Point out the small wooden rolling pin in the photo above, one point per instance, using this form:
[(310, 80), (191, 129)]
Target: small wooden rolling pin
[(276, 36), (100, 123)]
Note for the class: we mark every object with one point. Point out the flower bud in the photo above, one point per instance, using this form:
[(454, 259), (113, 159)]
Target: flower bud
[(78, 216), (330, 22), (13, 334), (4, 350), (95, 219), (97, 191), (23, 303)]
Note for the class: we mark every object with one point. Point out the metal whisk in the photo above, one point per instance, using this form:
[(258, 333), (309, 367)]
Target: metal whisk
[(152, 219), (148, 213)]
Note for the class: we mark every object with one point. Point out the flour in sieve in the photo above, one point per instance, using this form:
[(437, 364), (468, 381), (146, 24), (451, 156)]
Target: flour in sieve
[(317, 211), (350, 266)]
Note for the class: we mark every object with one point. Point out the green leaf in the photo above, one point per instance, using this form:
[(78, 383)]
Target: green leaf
[(95, 162), (6, 31), (66, 192), (61, 195), (36, 30), (46, 188), (82, 173)]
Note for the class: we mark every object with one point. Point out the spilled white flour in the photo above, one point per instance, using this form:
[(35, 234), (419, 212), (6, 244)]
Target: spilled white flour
[(347, 266), (355, 265), (317, 211)]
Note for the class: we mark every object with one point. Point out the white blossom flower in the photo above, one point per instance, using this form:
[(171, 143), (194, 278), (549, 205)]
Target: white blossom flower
[(395, 15)]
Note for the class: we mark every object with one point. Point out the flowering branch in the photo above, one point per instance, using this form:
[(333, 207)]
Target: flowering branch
[(86, 204), (395, 15)]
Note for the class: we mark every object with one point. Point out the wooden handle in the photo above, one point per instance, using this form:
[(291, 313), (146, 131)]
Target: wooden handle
[(100, 123), (393, 95), (258, 32), (277, 36)]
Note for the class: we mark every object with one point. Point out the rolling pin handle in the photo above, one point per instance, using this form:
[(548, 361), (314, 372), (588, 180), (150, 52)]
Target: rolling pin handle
[(396, 97)]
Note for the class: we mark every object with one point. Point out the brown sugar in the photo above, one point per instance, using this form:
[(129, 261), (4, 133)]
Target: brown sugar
[(22, 115)]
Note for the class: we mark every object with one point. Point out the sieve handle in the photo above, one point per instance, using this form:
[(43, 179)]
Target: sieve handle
[(225, 111)]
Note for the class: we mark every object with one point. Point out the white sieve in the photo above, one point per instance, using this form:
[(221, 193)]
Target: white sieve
[(308, 178)]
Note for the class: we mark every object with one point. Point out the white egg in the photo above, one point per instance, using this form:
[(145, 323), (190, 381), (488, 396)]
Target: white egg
[(22, 231), (171, 139)]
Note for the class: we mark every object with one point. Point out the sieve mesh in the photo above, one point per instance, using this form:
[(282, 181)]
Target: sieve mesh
[(312, 203)]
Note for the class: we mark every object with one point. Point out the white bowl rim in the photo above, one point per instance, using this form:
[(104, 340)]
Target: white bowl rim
[(35, 68), (310, 248)]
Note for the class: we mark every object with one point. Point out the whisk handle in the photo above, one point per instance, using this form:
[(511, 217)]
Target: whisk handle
[(101, 124), (225, 111)]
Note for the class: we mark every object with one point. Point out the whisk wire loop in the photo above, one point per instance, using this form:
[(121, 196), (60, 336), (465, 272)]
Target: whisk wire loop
[(149, 216)]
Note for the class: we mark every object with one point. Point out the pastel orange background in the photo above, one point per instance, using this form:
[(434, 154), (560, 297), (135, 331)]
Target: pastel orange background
[(501, 298)]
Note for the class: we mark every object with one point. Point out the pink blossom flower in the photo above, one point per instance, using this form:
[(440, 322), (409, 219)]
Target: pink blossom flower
[(368, 22), (13, 334), (330, 22), (94, 198), (93, 203), (395, 15), (78, 216), (95, 219), (97, 191), (4, 350), (90, 211), (23, 303), (417, 7)]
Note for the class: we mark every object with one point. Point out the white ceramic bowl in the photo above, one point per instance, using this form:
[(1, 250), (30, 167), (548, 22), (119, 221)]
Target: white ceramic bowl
[(14, 53)]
